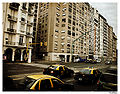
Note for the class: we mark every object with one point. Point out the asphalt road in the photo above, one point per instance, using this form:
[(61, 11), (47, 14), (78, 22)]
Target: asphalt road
[(18, 71)]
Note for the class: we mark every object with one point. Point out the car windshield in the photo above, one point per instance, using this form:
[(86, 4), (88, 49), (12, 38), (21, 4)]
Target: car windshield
[(28, 82), (53, 67), (109, 78), (85, 71)]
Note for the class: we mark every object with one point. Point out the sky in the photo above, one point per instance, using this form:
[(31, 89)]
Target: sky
[(109, 11)]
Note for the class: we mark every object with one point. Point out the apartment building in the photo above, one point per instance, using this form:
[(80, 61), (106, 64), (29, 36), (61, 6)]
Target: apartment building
[(114, 47), (17, 31), (60, 24), (110, 37)]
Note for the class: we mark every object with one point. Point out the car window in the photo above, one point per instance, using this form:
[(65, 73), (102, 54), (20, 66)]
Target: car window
[(53, 67), (85, 71), (28, 82), (37, 86), (45, 84), (56, 84), (61, 68)]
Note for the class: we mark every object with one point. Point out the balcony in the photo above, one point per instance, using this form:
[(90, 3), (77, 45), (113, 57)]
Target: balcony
[(28, 34), (10, 43), (14, 6), (10, 30), (12, 18), (29, 23)]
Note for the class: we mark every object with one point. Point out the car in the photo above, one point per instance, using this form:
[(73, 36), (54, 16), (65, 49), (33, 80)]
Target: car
[(43, 83), (108, 79), (107, 82), (87, 75), (58, 71), (88, 61), (77, 60)]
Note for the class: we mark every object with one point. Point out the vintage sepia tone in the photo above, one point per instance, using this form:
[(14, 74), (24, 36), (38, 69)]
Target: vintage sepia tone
[(56, 33)]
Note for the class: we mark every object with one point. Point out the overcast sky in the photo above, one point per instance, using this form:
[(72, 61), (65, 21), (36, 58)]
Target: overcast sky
[(109, 11)]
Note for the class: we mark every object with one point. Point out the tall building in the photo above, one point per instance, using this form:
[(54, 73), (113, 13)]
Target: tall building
[(17, 31), (114, 47), (60, 24)]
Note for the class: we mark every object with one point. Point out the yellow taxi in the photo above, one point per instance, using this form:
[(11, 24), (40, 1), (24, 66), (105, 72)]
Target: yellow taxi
[(44, 83), (58, 71), (87, 75)]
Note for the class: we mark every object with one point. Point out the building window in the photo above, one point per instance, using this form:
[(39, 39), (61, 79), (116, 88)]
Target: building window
[(63, 25), (21, 40), (63, 31), (69, 21), (64, 20), (69, 32), (56, 31), (63, 14)]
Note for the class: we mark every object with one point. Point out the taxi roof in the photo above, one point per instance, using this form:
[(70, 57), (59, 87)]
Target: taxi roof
[(40, 76), (90, 68), (58, 65)]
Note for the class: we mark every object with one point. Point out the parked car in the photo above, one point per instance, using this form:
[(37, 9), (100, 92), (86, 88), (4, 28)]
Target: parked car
[(107, 82), (87, 75), (58, 71), (77, 60), (88, 61), (44, 83)]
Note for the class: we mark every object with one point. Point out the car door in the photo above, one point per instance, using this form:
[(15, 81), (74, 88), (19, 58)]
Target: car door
[(45, 85), (57, 85)]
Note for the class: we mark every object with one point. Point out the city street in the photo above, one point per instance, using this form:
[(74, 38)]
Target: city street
[(18, 71)]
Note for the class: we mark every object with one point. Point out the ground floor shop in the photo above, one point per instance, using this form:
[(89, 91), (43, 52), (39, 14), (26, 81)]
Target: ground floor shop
[(11, 54)]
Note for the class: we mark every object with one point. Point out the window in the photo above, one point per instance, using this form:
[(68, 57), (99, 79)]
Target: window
[(64, 20), (63, 25), (62, 31), (69, 32), (21, 40), (69, 21), (56, 82), (63, 14), (37, 86), (45, 85), (56, 31)]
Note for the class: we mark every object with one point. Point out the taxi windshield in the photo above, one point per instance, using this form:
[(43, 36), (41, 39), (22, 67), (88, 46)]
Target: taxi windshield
[(28, 82), (53, 67), (85, 71)]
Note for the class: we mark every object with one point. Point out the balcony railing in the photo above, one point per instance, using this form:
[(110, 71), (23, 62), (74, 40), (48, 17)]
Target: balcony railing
[(10, 43), (10, 30), (29, 34), (12, 18), (14, 6)]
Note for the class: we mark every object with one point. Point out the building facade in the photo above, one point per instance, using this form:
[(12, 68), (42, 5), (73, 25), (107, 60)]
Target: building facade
[(59, 25), (17, 31)]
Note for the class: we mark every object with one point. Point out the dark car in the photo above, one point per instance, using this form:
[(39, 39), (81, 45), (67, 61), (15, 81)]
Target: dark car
[(107, 82), (87, 75), (43, 83), (58, 71)]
